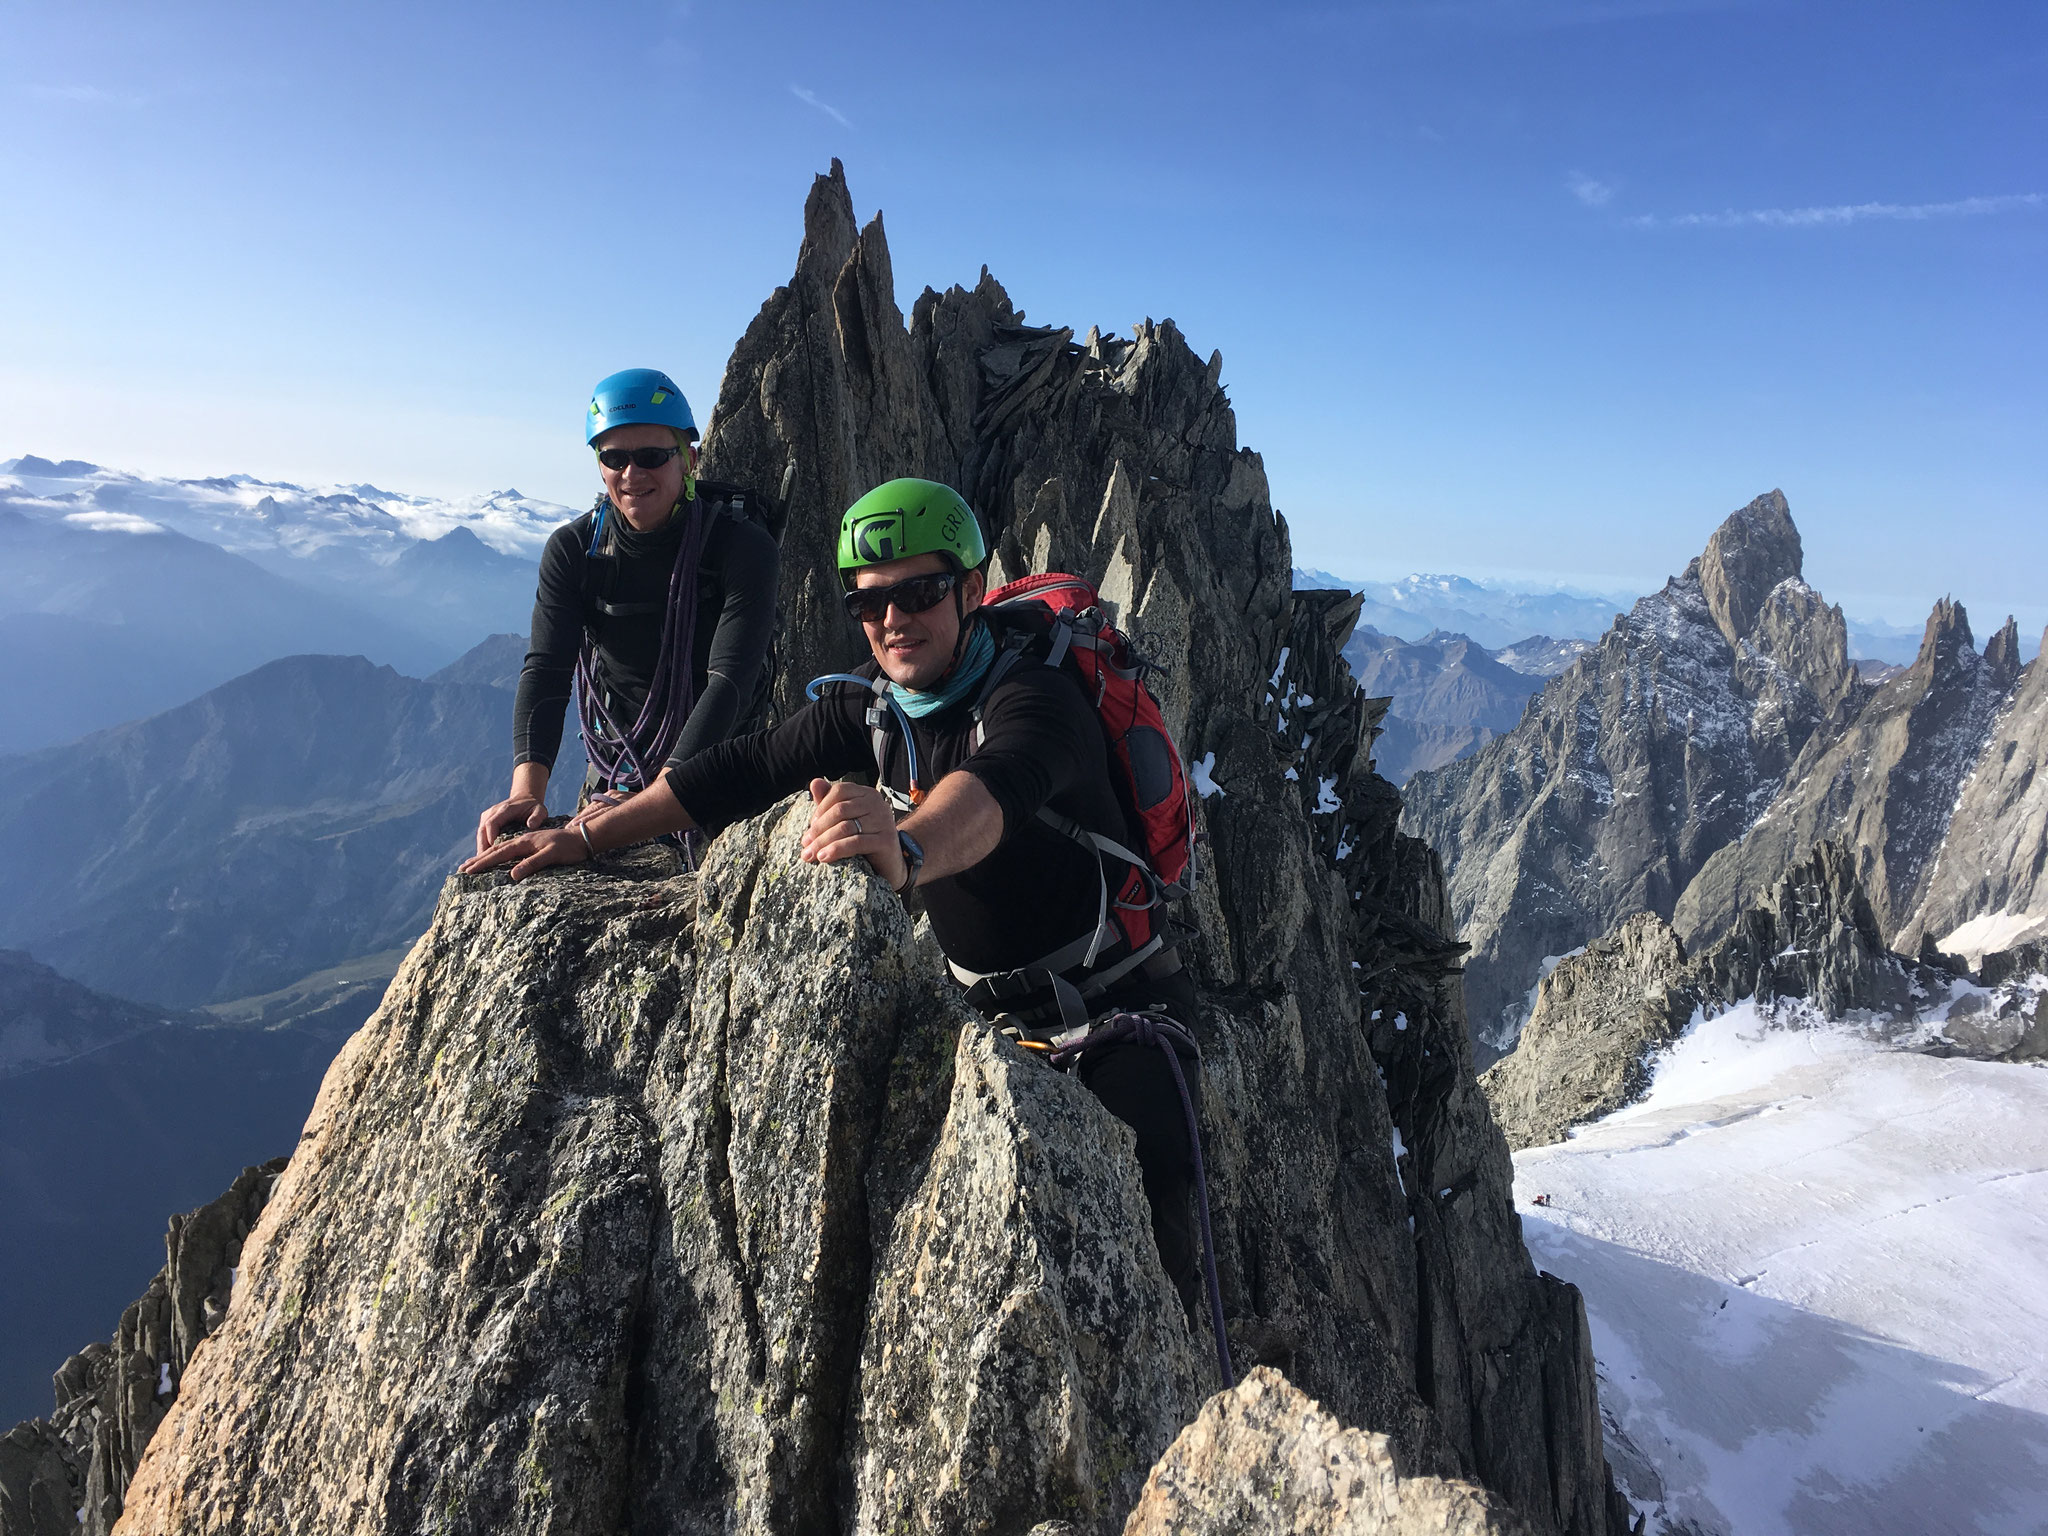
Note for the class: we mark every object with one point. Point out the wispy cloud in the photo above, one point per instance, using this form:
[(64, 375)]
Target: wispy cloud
[(1842, 213), (810, 99), (86, 95), (1594, 194)]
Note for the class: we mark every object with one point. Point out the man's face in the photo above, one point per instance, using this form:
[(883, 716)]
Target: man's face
[(914, 649), (645, 497)]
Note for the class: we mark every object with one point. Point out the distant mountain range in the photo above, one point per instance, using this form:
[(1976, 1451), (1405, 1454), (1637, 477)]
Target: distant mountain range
[(127, 595), (1497, 616), (1451, 695), (111, 1115), (295, 818), (1494, 616)]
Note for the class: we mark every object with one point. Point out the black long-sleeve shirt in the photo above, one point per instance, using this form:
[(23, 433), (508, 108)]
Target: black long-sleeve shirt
[(735, 620), (1043, 745)]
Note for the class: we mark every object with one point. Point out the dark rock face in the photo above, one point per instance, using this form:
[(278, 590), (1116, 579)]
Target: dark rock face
[(1600, 1018), (1637, 763), (71, 1473), (1818, 941), (707, 1205), (823, 399), (1884, 786), (1993, 860), (39, 1481), (1745, 559)]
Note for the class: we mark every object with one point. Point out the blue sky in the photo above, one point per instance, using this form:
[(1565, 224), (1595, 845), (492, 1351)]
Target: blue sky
[(1534, 289)]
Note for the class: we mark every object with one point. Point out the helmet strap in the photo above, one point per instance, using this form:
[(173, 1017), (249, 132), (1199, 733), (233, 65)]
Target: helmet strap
[(959, 640)]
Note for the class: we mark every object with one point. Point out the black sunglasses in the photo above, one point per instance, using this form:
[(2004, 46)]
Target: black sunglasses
[(641, 458), (871, 604)]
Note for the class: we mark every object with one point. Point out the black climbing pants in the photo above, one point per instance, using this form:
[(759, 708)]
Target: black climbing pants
[(1136, 1085)]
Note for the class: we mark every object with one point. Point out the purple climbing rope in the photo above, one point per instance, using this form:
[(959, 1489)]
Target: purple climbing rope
[(1152, 1029), (671, 692)]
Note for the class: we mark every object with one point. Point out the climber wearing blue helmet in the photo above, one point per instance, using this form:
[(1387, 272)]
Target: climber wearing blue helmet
[(658, 604)]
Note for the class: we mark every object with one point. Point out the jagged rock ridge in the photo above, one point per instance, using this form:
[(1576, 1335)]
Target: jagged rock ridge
[(1993, 861), (70, 1473), (1884, 785), (692, 1204), (1637, 763)]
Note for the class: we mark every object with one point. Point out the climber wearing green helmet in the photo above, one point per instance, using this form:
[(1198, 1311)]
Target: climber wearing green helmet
[(658, 604), (989, 764)]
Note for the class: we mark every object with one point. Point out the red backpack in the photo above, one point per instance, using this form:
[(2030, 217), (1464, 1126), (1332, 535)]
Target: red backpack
[(1145, 768)]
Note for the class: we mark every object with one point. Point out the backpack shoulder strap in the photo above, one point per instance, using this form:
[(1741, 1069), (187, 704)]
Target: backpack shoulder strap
[(1017, 642), (746, 505)]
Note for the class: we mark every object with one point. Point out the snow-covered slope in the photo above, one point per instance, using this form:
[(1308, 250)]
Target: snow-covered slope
[(1813, 1267)]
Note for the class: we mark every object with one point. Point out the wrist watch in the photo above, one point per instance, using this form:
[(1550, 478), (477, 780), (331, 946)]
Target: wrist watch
[(913, 861)]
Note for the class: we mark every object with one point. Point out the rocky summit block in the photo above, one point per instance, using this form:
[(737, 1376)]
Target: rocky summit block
[(1599, 1018), (998, 1332), (1266, 1460), (670, 1203)]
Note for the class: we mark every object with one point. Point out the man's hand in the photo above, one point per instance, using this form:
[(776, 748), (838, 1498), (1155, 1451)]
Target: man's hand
[(519, 811), (850, 819), (531, 852), (526, 806)]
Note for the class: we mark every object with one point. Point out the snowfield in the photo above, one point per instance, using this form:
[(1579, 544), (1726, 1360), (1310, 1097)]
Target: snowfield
[(1816, 1270)]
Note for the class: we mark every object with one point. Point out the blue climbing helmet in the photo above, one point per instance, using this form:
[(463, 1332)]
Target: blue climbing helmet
[(637, 395)]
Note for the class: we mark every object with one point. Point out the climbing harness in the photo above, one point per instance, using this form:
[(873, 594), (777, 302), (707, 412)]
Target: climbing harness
[(1066, 1050)]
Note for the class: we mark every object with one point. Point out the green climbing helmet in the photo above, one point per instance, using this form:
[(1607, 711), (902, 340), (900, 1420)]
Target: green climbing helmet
[(900, 518)]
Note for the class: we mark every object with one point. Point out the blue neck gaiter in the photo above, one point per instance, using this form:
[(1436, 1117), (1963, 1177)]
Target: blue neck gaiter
[(975, 660)]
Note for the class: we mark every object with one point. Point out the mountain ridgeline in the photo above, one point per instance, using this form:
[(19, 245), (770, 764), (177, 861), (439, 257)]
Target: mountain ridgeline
[(299, 817), (130, 595), (1705, 745), (659, 1202)]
